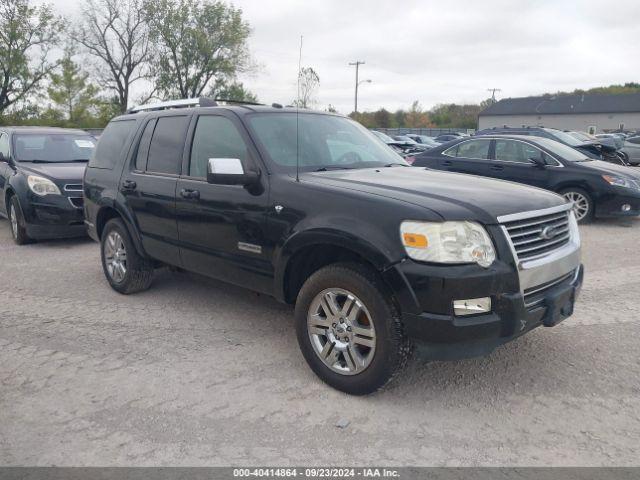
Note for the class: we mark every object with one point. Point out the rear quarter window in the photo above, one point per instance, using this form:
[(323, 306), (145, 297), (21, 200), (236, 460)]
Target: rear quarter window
[(112, 143)]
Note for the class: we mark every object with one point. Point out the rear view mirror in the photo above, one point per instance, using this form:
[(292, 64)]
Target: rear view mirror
[(229, 171)]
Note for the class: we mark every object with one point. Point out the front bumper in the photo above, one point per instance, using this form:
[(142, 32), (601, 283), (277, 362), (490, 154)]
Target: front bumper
[(610, 205), (53, 216)]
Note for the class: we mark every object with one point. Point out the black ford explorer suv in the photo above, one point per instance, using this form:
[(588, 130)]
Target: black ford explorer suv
[(41, 172), (312, 209)]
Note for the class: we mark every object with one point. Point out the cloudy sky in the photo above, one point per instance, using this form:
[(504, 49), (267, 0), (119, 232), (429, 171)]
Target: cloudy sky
[(437, 52)]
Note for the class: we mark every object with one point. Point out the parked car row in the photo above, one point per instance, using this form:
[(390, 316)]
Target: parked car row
[(311, 208)]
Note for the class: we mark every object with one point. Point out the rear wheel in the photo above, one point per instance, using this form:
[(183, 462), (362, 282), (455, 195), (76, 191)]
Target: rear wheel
[(16, 220), (348, 329), (582, 203), (126, 270)]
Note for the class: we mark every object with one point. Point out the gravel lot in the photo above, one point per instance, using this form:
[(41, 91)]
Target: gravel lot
[(197, 372)]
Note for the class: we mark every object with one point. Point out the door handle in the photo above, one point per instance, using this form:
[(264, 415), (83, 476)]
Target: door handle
[(129, 185), (186, 193), (497, 168), (447, 163)]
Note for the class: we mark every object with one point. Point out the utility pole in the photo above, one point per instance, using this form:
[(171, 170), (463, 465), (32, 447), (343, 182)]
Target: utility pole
[(357, 64), (493, 94)]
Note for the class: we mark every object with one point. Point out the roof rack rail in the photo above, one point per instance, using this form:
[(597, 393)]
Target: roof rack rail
[(238, 102), (183, 103)]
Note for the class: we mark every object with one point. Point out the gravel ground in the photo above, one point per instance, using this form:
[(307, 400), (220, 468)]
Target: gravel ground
[(197, 372)]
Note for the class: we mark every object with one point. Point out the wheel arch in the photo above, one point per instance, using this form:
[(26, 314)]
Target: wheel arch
[(312, 250), (110, 211)]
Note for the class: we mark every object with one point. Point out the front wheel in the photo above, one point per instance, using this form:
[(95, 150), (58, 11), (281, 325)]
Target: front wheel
[(126, 270), (16, 220), (582, 203), (349, 331)]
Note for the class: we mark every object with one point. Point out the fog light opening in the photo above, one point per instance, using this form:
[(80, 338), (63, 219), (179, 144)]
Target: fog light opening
[(472, 306), (626, 207)]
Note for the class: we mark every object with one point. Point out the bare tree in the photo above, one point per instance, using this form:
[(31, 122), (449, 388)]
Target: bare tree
[(27, 35), (115, 34), (309, 81)]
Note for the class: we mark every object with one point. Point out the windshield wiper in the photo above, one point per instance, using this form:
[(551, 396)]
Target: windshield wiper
[(37, 160), (332, 167), (397, 165)]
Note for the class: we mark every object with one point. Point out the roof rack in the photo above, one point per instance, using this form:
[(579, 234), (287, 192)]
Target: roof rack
[(184, 103)]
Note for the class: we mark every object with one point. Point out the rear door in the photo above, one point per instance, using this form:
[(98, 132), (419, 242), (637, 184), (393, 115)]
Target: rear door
[(222, 227), (514, 160), (149, 185), (470, 156)]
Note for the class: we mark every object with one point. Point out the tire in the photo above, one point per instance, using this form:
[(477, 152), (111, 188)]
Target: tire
[(372, 350), (17, 223), (584, 207), (125, 269)]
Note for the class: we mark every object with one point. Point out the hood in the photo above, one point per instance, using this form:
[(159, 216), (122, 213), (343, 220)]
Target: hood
[(598, 166), (453, 196), (597, 145), (66, 172)]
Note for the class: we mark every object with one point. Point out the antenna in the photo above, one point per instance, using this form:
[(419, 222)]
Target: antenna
[(298, 115)]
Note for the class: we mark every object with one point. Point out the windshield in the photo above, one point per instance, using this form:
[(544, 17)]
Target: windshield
[(561, 150), (403, 138), (52, 147), (382, 136), (325, 142), (565, 138)]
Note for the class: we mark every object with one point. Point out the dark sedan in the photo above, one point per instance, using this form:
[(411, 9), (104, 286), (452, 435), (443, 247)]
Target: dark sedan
[(41, 171), (595, 187)]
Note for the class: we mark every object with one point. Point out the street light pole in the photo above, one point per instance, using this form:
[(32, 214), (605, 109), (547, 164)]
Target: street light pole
[(357, 64)]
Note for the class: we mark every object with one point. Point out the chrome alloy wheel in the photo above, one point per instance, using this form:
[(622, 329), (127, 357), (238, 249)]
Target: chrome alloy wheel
[(580, 204), (115, 257), (341, 331), (14, 221)]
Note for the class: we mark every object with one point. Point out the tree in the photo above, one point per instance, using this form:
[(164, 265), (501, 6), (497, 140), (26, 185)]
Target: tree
[(71, 90), (383, 118), (114, 34), (233, 91), (27, 35), (416, 117), (199, 44), (308, 83)]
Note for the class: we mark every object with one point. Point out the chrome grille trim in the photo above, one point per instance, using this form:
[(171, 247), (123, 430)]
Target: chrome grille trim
[(533, 292), (73, 187), (526, 234)]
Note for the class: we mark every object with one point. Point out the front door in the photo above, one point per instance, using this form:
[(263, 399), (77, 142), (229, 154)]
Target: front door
[(5, 170), (470, 156), (149, 185), (221, 227), (514, 160)]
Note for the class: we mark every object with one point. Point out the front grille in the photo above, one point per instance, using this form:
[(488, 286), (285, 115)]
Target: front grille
[(535, 295), (73, 187), (539, 236), (77, 202)]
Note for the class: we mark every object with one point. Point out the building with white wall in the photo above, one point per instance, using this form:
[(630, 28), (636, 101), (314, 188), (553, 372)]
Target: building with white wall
[(587, 113)]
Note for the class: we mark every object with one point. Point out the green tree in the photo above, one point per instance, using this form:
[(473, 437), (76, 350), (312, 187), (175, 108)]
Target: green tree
[(71, 91), (115, 36), (27, 35), (383, 118), (199, 44), (233, 91)]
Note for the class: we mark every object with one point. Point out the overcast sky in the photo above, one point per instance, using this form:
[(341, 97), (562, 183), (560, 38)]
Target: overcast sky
[(437, 52)]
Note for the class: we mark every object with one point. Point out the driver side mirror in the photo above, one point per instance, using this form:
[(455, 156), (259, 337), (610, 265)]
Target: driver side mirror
[(538, 162), (229, 171)]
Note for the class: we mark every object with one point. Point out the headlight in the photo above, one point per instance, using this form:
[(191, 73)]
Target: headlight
[(621, 182), (42, 186), (447, 242)]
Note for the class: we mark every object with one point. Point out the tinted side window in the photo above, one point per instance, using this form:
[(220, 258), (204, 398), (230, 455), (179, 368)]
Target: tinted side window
[(215, 137), (4, 145), (635, 140), (143, 146), (512, 151), (112, 143), (165, 151), (478, 149)]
